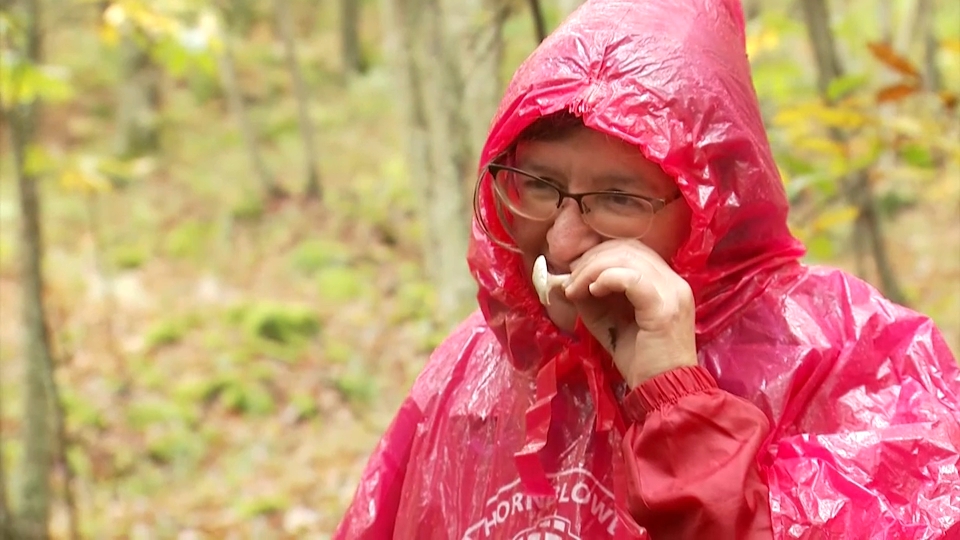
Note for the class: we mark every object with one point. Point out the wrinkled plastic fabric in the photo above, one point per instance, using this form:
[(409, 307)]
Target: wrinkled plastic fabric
[(861, 395)]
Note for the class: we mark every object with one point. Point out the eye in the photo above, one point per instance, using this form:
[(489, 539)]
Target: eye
[(622, 200), (621, 203), (530, 184)]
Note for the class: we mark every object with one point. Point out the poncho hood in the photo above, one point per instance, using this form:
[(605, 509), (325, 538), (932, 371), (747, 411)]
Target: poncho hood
[(673, 79)]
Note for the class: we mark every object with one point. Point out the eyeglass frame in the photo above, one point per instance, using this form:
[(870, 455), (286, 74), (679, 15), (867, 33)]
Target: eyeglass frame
[(657, 203)]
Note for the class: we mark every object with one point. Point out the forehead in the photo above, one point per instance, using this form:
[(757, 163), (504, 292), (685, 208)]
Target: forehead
[(582, 154)]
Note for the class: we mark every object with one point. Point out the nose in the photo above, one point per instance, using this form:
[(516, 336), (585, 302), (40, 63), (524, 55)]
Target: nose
[(569, 237)]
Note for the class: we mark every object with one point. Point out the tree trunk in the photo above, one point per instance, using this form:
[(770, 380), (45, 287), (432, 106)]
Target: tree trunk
[(5, 517), (885, 15), (138, 101), (539, 24), (440, 147), (31, 521), (858, 190), (238, 110), (285, 26), (477, 29), (399, 20), (350, 50), (931, 73)]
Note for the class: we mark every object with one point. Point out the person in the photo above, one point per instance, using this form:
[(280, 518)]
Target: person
[(691, 377)]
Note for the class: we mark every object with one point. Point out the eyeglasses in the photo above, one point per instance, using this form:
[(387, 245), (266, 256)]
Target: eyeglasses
[(613, 214)]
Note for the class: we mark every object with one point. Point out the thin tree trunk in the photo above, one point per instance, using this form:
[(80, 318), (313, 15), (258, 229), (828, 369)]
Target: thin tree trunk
[(931, 73), (859, 191), (285, 26), (63, 446), (32, 519), (138, 101), (885, 15), (539, 24), (479, 27), (351, 52), (238, 109), (6, 516)]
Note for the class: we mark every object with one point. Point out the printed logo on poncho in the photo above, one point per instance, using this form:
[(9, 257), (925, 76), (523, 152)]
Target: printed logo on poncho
[(580, 496)]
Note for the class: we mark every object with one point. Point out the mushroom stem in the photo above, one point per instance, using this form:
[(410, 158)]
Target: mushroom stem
[(544, 281)]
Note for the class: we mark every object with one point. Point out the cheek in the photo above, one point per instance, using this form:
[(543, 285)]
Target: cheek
[(530, 236), (671, 230)]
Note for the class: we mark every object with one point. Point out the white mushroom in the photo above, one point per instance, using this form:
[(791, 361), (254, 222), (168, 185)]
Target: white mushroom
[(544, 281)]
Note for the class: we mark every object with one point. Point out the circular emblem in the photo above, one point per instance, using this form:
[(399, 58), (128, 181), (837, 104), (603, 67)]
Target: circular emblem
[(551, 528)]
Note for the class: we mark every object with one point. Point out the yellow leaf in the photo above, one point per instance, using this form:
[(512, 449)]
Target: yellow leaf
[(109, 34), (841, 117), (38, 161), (885, 54), (764, 40), (834, 218), (83, 176), (952, 45)]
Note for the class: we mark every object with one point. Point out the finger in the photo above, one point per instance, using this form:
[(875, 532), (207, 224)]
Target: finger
[(625, 249), (585, 275), (641, 291)]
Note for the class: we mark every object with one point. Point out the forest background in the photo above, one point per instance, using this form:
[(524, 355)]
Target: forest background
[(232, 232)]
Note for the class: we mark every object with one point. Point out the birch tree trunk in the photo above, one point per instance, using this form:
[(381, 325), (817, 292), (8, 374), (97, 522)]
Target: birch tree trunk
[(312, 173), (31, 520), (452, 91)]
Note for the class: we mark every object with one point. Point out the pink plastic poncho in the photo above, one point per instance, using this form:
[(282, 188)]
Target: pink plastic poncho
[(819, 409)]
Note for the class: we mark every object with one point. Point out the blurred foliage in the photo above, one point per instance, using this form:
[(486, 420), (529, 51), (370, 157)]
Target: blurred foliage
[(228, 363)]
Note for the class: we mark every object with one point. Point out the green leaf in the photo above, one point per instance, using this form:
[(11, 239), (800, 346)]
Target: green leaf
[(820, 248), (917, 156), (842, 87)]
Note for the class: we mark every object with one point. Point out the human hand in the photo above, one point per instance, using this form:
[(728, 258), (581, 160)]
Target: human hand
[(636, 306)]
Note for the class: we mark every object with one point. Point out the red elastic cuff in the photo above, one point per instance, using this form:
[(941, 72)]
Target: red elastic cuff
[(666, 388)]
